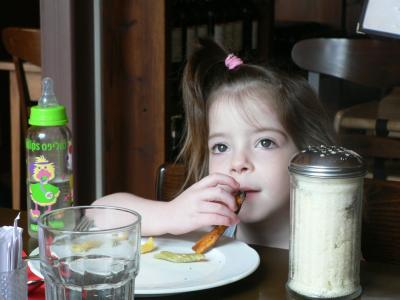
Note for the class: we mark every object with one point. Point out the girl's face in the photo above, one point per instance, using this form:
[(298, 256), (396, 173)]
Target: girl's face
[(250, 144)]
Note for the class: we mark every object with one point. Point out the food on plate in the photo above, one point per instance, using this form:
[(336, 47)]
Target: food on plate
[(120, 236), (148, 246), (85, 246), (180, 257), (117, 238), (208, 240)]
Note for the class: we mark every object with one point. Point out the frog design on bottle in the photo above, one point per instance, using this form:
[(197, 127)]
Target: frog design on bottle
[(42, 193)]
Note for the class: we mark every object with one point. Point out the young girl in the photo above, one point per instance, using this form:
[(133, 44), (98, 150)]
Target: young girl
[(243, 124)]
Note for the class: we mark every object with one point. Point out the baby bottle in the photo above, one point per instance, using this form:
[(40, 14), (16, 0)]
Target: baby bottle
[(325, 222), (49, 158)]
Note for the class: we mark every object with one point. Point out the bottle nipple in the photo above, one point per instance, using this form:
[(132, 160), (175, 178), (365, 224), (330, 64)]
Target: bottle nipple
[(48, 98)]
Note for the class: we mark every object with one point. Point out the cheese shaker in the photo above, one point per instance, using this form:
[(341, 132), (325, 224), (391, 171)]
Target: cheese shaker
[(326, 190)]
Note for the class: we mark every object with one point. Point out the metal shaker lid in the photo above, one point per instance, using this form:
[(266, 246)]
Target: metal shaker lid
[(327, 162)]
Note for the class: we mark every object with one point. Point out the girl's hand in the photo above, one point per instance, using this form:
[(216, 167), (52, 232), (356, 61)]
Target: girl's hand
[(208, 202)]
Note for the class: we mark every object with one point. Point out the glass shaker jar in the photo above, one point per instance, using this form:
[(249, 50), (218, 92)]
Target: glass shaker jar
[(326, 190)]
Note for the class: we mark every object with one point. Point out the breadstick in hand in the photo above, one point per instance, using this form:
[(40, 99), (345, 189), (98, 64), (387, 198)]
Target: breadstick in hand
[(209, 239)]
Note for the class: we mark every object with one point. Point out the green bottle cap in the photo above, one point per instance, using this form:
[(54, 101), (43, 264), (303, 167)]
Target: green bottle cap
[(48, 112), (48, 116)]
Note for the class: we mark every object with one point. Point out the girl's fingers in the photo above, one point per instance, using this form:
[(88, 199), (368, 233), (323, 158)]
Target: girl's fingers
[(219, 194), (218, 179), (216, 187), (207, 202), (216, 209), (214, 194)]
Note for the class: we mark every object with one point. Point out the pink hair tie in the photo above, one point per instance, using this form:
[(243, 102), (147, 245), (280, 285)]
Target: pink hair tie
[(232, 61)]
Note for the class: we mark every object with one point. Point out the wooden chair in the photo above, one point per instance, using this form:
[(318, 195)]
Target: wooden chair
[(170, 179), (381, 221), (373, 63), (367, 62), (24, 46)]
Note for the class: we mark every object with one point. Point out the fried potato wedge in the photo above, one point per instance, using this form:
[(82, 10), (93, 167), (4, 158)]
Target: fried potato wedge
[(208, 240)]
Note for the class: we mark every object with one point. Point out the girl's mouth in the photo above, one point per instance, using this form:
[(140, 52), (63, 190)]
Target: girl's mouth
[(250, 194)]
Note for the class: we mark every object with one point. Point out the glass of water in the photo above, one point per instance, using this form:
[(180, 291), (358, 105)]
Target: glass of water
[(89, 252)]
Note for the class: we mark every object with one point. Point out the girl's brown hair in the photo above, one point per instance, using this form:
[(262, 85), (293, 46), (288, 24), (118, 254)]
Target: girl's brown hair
[(206, 77)]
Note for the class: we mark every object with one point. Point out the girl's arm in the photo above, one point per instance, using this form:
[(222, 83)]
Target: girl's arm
[(207, 202)]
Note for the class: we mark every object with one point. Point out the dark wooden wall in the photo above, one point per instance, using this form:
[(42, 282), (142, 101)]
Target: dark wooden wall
[(134, 94), (320, 11), (83, 103)]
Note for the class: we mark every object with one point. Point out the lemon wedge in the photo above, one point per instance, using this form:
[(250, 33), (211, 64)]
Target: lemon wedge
[(148, 246)]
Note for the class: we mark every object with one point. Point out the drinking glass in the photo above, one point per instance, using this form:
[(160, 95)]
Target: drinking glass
[(89, 252)]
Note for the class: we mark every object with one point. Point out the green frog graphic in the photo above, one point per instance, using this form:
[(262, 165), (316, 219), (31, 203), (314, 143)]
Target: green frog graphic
[(42, 193)]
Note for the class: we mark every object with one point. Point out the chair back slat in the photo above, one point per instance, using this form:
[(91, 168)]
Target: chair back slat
[(23, 43), (170, 179), (373, 63)]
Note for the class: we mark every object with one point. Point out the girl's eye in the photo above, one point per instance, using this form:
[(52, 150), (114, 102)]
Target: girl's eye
[(265, 143), (219, 148)]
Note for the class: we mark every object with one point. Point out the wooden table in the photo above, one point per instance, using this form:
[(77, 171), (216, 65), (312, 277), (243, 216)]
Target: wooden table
[(33, 78), (379, 281)]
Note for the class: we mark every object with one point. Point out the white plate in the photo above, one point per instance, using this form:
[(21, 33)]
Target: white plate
[(229, 261)]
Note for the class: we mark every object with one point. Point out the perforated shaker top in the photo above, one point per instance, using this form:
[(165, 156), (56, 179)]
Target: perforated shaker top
[(328, 162)]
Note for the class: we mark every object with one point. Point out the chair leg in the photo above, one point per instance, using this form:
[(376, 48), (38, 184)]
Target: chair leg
[(379, 168), (313, 80), (338, 120)]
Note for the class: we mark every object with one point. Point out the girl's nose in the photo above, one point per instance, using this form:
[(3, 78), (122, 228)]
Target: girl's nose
[(241, 164)]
